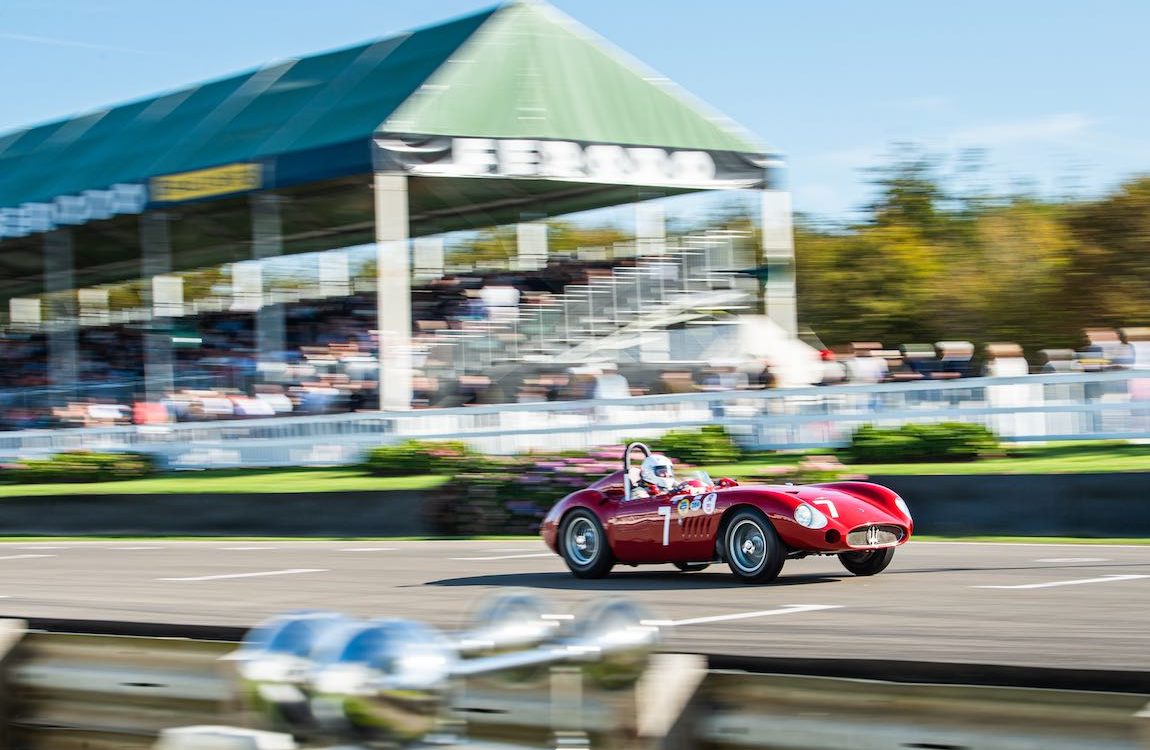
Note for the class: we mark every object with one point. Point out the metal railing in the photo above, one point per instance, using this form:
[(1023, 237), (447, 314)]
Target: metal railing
[(1090, 406), (101, 692)]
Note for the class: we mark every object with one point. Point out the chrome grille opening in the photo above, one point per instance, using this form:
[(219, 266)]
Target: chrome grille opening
[(875, 536)]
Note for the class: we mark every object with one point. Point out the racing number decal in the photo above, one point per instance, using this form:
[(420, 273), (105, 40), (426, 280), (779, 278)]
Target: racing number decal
[(665, 512), (829, 505)]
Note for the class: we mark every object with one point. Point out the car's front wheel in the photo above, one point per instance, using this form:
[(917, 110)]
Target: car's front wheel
[(583, 545), (752, 548), (869, 562)]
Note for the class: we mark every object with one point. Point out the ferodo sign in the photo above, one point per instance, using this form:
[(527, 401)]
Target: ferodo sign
[(207, 183), (567, 161)]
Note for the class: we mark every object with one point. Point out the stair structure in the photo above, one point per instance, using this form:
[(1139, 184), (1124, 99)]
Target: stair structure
[(690, 281)]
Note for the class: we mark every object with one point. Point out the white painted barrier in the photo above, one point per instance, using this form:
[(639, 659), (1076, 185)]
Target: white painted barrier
[(1086, 406)]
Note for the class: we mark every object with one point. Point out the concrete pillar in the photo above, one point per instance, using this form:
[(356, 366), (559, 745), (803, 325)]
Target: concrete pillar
[(780, 303), (531, 243), (267, 242), (155, 262), (393, 288), (62, 325)]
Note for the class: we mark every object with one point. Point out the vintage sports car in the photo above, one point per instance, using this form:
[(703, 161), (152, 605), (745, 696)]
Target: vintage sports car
[(753, 528)]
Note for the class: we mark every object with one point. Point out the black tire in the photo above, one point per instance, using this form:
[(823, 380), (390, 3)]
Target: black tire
[(691, 567), (583, 545), (868, 562), (752, 548)]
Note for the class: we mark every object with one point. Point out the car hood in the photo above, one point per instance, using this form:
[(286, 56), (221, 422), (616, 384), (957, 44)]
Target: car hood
[(840, 507)]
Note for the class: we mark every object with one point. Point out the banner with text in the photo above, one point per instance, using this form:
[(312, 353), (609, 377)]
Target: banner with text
[(568, 161)]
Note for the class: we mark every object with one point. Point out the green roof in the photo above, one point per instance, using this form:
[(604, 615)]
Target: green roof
[(531, 72), (520, 70), (292, 106)]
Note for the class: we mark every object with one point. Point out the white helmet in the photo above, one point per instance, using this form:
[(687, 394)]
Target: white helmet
[(657, 471)]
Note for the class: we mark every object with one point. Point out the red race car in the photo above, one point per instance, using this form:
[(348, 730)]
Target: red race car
[(641, 516)]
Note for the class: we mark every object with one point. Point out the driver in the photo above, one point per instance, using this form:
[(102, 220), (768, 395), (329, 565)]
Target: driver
[(656, 477)]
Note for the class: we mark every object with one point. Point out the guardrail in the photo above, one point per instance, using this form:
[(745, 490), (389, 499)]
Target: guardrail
[(72, 691), (1087, 406)]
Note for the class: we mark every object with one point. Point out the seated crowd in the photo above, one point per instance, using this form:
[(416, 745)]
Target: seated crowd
[(329, 362)]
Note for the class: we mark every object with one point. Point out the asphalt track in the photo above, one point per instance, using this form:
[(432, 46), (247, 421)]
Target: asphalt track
[(1069, 606)]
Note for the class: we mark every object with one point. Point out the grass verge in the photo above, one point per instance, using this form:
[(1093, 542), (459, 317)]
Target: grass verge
[(343, 479), (1059, 458), (1065, 458)]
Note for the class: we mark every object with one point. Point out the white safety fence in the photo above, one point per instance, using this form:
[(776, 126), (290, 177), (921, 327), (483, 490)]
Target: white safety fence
[(1111, 405)]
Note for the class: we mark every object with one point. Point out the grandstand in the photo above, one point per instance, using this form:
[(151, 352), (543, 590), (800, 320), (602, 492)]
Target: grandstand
[(139, 245)]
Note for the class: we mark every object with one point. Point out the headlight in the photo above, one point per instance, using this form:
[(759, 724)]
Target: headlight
[(808, 516), (902, 505)]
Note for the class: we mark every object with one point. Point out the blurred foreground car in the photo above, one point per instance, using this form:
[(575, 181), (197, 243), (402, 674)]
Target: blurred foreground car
[(752, 528)]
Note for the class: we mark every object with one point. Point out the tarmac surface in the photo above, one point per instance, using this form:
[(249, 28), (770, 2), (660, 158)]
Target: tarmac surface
[(1068, 606)]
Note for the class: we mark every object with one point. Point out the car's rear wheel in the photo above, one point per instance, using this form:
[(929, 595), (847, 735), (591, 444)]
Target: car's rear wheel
[(752, 548), (692, 567), (583, 545), (868, 562)]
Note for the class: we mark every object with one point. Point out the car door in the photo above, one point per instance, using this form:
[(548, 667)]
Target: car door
[(644, 530)]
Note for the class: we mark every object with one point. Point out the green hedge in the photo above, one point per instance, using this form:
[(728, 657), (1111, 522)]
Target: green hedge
[(414, 457), (707, 445), (946, 441), (80, 466), (512, 495)]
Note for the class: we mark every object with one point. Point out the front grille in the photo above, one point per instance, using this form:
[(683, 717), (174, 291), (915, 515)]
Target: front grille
[(874, 536)]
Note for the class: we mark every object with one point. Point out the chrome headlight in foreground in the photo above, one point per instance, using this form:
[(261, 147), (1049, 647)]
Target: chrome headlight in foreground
[(810, 517), (902, 505)]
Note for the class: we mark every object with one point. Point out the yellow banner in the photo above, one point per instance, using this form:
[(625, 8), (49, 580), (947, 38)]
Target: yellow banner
[(205, 183)]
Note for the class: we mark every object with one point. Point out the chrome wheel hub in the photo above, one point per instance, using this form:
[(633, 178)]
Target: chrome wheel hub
[(582, 542), (748, 545)]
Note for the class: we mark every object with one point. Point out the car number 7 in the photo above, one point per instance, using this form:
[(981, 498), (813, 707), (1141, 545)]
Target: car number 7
[(665, 512), (830, 507)]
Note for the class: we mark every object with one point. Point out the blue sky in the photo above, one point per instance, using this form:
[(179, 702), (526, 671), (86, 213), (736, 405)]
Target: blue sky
[(1055, 91)]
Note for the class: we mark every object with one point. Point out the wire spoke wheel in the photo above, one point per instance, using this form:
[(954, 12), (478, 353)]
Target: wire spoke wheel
[(582, 541), (752, 549), (747, 546), (583, 545)]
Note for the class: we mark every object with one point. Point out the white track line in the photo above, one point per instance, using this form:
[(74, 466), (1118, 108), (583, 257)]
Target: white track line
[(124, 548), (368, 549), (22, 557), (787, 609), (507, 557), (1103, 579), (1071, 559), (38, 547), (246, 548), (290, 571)]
